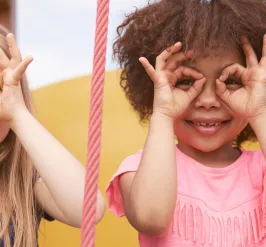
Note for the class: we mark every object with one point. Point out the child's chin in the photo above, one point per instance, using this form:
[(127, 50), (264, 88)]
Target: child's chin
[(207, 147)]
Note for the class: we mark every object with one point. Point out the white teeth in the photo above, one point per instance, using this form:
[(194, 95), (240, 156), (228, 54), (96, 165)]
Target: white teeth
[(207, 124)]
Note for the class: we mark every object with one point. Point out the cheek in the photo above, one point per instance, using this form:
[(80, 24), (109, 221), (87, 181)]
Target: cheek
[(179, 129), (4, 130)]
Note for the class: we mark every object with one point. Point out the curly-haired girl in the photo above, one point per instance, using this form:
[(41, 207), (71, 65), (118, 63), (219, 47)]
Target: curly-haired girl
[(197, 71)]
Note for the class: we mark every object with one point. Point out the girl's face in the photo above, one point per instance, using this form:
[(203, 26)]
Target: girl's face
[(208, 123)]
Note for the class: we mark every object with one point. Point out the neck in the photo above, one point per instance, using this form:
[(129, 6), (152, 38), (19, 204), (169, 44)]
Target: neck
[(219, 158)]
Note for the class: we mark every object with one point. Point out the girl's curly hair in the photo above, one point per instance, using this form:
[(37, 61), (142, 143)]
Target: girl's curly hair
[(197, 24)]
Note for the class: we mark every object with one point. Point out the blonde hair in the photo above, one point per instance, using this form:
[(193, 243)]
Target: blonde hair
[(17, 180)]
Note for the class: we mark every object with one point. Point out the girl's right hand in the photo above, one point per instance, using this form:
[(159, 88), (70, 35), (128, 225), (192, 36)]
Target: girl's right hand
[(175, 86), (12, 71)]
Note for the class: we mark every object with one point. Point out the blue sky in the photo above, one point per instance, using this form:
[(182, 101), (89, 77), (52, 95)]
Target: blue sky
[(59, 34)]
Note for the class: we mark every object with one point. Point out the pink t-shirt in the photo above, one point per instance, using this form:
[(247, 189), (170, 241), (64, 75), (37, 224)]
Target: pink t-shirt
[(215, 206)]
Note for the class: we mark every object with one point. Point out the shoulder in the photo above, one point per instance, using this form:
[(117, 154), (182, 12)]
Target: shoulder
[(255, 164), (254, 158), (129, 165)]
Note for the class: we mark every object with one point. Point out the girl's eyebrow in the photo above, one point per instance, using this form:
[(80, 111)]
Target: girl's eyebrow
[(192, 67)]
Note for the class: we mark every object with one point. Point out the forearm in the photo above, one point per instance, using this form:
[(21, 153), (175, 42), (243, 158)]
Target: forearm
[(258, 125), (154, 188), (62, 173)]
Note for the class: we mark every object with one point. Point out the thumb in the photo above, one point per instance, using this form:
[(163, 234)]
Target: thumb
[(21, 69), (196, 89), (221, 90)]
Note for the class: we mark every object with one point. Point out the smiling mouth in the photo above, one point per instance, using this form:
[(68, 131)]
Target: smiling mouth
[(210, 124), (208, 127)]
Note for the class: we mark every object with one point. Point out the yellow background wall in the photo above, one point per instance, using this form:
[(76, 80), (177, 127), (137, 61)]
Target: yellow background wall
[(63, 109)]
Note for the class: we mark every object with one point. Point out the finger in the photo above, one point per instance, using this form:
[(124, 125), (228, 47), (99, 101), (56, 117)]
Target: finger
[(176, 59), (233, 70), (1, 82), (20, 70), (222, 91), (166, 54), (148, 68), (251, 57), (13, 48), (183, 71), (263, 58), (196, 89), (4, 60)]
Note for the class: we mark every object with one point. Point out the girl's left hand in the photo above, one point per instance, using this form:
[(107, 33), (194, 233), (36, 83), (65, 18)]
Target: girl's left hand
[(12, 70), (247, 98)]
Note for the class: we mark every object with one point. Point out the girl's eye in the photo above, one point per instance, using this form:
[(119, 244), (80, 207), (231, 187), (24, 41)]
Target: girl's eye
[(233, 83), (184, 84)]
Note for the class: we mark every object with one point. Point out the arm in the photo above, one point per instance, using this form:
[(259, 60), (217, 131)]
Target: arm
[(149, 195), (62, 173), (258, 125), (61, 193)]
